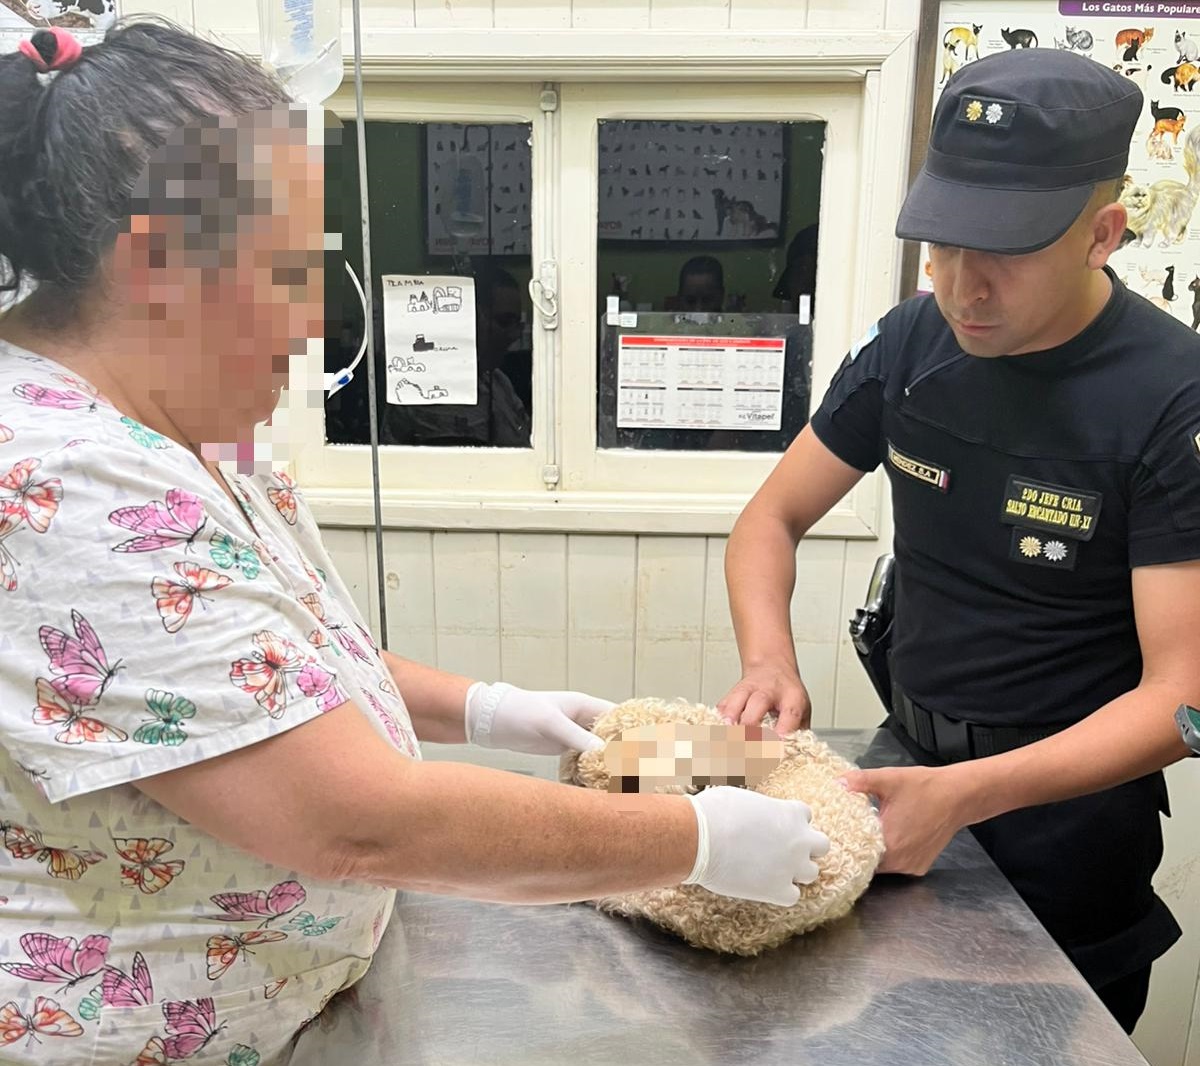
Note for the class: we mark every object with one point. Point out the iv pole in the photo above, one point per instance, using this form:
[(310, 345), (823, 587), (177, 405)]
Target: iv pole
[(367, 292)]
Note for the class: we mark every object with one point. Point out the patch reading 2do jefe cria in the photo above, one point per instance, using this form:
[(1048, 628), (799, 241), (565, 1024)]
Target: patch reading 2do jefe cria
[(935, 477), (1053, 508)]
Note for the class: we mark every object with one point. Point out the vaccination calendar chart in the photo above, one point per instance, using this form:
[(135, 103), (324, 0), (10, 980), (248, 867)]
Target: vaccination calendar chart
[(700, 382)]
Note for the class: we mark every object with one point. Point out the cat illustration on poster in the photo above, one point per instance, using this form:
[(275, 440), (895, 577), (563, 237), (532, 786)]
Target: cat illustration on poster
[(1182, 77), (967, 36), (1077, 40), (1130, 42), (1019, 38), (1168, 122), (1163, 208), (950, 61)]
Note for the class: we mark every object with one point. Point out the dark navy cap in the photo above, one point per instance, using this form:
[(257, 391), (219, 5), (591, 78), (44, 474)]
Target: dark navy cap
[(1019, 141)]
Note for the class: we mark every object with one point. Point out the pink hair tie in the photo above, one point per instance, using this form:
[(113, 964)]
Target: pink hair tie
[(66, 53)]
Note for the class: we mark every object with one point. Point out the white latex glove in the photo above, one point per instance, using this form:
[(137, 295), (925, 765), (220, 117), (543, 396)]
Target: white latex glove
[(538, 723), (754, 847)]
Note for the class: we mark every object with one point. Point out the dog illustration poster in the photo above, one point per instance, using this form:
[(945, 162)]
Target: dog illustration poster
[(429, 327), (1158, 48), (691, 181), (86, 19)]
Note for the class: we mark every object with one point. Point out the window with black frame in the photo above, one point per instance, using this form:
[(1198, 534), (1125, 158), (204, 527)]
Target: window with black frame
[(707, 262), (450, 250)]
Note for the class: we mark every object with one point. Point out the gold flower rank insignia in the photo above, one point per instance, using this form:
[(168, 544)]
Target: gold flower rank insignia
[(982, 111)]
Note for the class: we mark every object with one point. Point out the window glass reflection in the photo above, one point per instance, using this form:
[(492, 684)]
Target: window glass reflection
[(707, 245), (450, 246)]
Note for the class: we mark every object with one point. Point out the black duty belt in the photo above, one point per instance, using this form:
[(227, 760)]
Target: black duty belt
[(958, 741)]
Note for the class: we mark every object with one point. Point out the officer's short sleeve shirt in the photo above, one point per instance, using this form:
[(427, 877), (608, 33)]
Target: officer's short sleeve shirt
[(1025, 490)]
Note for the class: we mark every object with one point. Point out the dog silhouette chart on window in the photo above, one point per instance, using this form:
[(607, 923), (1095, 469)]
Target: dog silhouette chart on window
[(429, 334)]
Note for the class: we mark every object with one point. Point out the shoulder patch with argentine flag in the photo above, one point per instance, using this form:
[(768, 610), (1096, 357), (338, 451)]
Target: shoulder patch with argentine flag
[(864, 341)]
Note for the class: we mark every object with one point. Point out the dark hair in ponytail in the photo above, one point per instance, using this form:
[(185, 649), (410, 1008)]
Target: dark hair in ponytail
[(74, 143)]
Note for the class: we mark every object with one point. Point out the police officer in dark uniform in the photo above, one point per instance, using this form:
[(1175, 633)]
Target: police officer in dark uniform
[(1040, 428)]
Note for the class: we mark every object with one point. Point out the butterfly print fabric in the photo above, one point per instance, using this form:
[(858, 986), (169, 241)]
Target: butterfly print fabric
[(151, 623)]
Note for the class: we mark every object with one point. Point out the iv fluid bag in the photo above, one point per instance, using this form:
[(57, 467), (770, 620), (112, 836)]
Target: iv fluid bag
[(302, 42)]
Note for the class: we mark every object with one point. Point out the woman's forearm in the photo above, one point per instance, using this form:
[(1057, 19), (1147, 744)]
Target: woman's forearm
[(332, 799), (436, 699), (459, 830)]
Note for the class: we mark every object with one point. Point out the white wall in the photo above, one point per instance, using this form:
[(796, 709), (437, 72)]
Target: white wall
[(229, 16), (618, 615), (625, 615)]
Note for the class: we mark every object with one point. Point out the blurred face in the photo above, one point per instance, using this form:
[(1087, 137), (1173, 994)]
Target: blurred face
[(221, 337), (701, 292), (1013, 304)]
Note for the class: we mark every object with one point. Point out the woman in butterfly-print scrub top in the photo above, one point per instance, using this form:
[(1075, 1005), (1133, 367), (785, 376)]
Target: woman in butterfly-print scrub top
[(210, 785)]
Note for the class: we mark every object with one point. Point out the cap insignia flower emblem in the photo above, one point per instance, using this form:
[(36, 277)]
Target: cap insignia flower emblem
[(1055, 551), (1030, 547)]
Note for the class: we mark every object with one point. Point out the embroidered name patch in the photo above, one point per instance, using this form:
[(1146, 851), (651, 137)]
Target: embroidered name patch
[(985, 111), (1040, 549), (935, 477), (1052, 508)]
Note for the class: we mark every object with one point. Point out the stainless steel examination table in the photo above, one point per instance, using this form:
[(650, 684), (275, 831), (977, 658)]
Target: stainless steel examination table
[(947, 970)]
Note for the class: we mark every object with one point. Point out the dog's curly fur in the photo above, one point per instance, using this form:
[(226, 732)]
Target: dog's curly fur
[(737, 926)]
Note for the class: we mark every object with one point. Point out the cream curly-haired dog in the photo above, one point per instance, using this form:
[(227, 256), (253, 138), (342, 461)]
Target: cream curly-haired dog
[(796, 766)]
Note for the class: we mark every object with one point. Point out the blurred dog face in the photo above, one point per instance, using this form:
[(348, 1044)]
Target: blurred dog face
[(682, 756)]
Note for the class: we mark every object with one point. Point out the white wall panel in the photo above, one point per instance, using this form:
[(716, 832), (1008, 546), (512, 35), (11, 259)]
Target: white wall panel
[(767, 14), (408, 588), (601, 614), (348, 550), (442, 14), (610, 14), (670, 616), (466, 583), (216, 18), (689, 14), (381, 14), (720, 668), (903, 14), (816, 602), (533, 610), (532, 14), (840, 14), (178, 11)]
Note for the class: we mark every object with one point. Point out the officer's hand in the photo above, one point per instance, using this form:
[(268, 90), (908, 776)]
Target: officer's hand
[(921, 808), (767, 690)]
